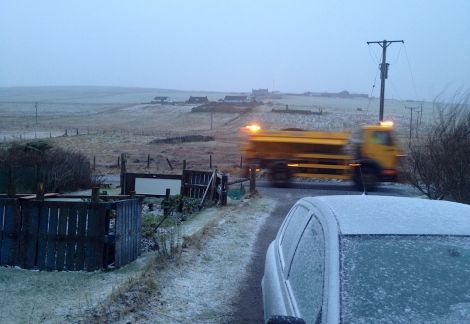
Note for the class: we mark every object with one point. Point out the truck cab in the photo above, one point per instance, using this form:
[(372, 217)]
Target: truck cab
[(379, 150)]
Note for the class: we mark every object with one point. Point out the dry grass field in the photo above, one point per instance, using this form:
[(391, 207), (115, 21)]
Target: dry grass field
[(111, 121)]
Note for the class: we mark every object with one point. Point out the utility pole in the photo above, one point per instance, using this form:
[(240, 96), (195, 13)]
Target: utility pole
[(36, 126), (383, 71), (411, 119)]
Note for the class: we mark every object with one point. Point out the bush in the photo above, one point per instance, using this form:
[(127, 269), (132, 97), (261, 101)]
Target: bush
[(439, 163), (59, 169)]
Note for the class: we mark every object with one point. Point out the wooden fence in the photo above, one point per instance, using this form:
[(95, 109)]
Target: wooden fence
[(68, 235)]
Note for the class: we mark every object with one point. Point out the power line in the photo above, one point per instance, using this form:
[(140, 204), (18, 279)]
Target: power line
[(411, 73), (374, 58), (398, 54), (419, 109), (372, 90)]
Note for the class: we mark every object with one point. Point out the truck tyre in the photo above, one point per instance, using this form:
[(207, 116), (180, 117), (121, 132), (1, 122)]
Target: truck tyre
[(370, 177), (279, 175)]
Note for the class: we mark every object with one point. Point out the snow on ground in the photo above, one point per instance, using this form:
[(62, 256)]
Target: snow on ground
[(28, 296), (202, 285)]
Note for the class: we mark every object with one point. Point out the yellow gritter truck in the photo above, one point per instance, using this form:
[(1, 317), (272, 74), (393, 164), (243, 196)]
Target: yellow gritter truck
[(291, 153)]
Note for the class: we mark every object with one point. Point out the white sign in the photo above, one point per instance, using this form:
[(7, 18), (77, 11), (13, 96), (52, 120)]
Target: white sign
[(149, 186)]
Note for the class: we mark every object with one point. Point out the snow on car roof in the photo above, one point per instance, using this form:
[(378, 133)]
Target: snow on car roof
[(397, 215)]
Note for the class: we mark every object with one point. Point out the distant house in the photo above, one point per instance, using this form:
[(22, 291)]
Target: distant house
[(236, 99), (160, 100), (343, 94), (260, 93), (197, 100)]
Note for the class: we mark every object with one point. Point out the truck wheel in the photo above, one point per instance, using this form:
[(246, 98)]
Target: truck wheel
[(369, 178), (279, 175)]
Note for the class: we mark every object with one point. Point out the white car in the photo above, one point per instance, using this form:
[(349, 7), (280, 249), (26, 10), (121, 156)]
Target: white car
[(370, 259)]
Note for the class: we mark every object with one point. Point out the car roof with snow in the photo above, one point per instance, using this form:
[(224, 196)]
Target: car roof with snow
[(362, 214)]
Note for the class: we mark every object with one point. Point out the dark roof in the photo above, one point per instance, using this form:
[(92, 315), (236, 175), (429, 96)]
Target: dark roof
[(197, 99)]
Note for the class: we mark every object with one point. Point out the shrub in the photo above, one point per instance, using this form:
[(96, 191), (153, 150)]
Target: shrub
[(439, 163), (59, 169)]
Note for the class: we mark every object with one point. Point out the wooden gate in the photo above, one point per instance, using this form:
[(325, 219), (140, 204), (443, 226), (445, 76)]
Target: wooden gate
[(194, 184)]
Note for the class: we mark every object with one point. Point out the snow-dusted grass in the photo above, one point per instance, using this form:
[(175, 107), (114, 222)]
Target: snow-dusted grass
[(56, 297), (202, 284)]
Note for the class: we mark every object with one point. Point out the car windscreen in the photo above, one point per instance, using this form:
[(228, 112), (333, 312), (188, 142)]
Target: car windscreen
[(405, 279)]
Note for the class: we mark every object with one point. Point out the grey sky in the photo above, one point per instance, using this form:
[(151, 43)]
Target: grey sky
[(236, 45)]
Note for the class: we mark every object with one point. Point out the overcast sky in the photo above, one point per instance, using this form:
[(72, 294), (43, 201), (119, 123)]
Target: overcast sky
[(293, 46)]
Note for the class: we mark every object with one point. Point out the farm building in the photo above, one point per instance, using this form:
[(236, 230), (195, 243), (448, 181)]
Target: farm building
[(236, 99), (197, 100), (161, 100)]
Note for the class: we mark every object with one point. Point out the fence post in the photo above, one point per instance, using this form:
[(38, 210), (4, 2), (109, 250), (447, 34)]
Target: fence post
[(40, 191), (123, 174), (184, 165), (94, 162), (11, 182), (252, 179), (118, 161), (166, 208), (66, 132), (223, 193), (210, 161), (241, 161), (169, 164), (148, 161), (95, 194), (214, 181)]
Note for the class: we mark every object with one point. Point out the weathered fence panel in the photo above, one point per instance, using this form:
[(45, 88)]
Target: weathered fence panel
[(68, 235), (81, 234), (10, 232), (128, 221), (72, 239)]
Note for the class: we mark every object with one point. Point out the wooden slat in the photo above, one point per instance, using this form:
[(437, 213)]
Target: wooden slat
[(94, 241), (129, 231), (61, 238), (118, 241), (132, 232), (81, 236), (136, 217), (2, 213), (123, 232), (52, 238), (126, 233), (42, 237), (11, 227), (91, 230), (30, 217), (139, 226), (71, 239)]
